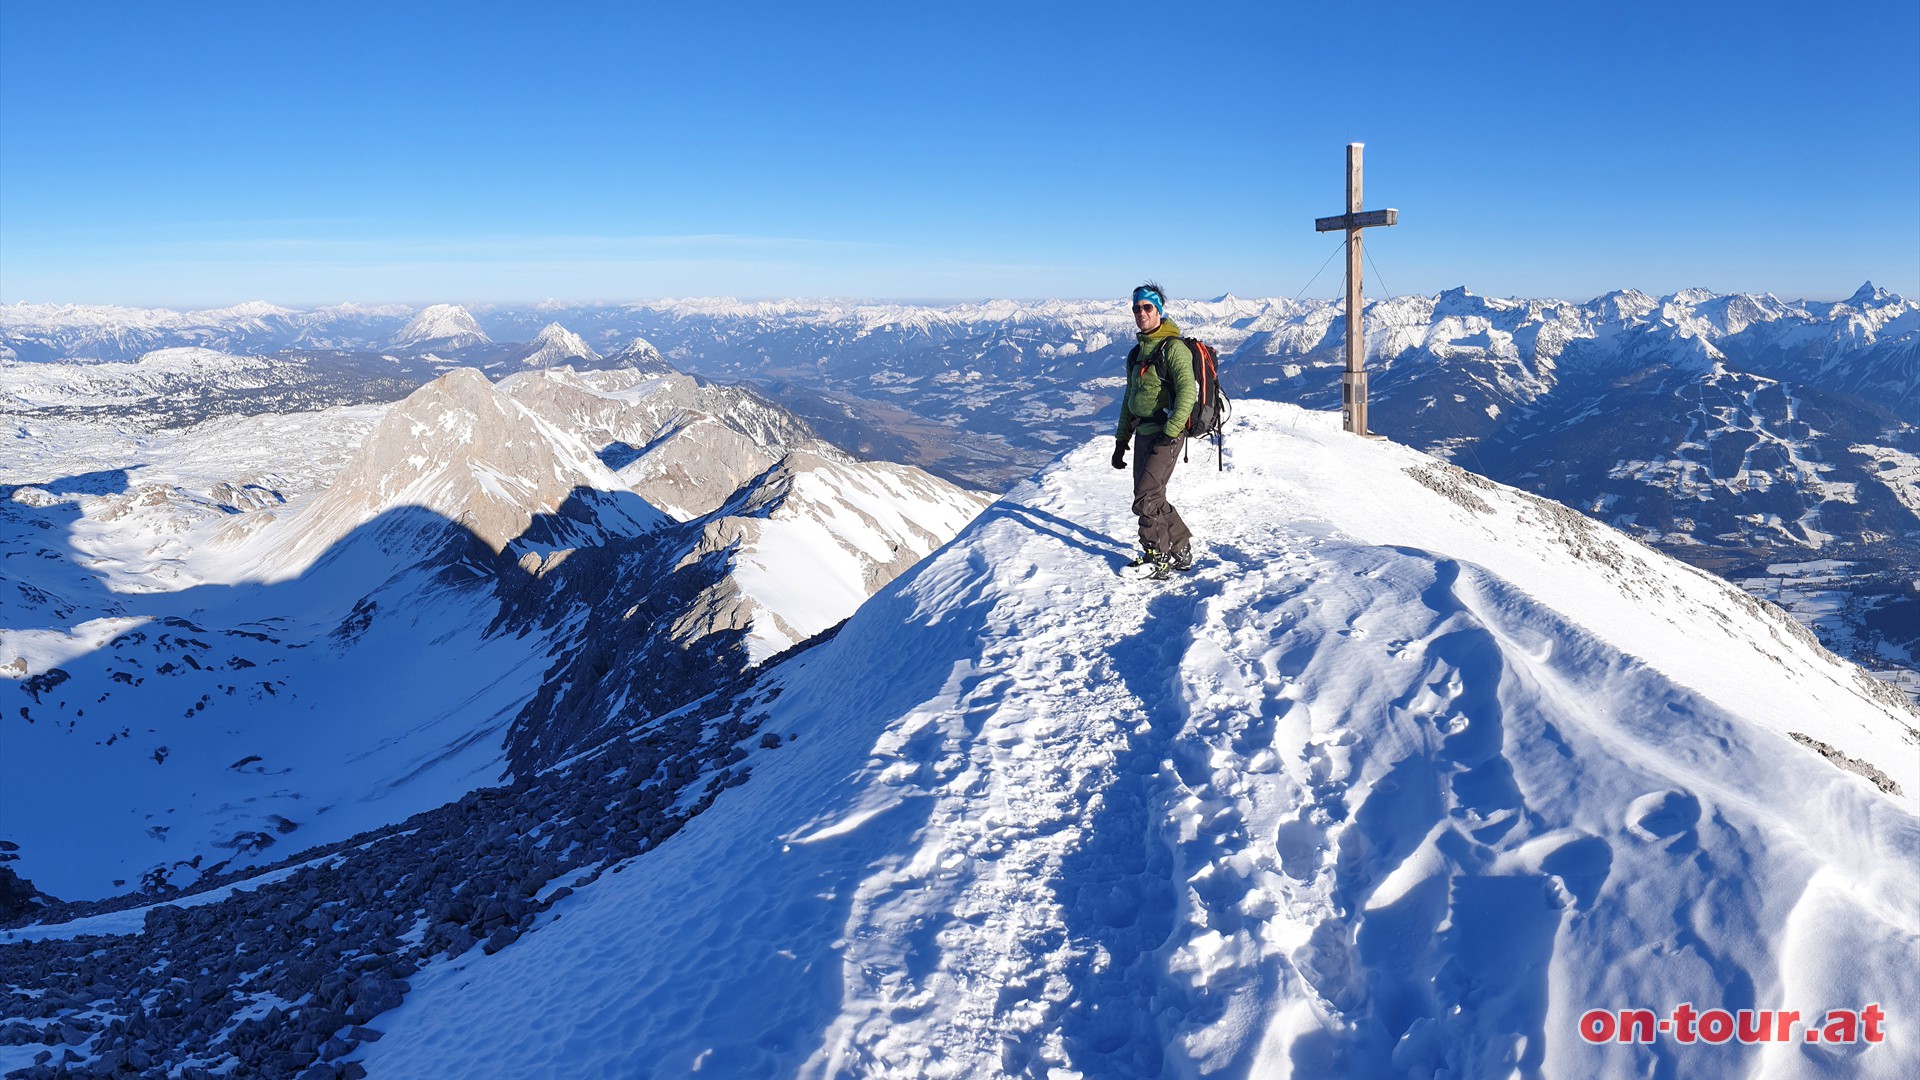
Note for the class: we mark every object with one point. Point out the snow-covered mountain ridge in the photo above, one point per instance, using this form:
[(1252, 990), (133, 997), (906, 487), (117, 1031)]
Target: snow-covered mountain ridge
[(1394, 786), (470, 453), (63, 331), (258, 632), (46, 331), (1412, 771)]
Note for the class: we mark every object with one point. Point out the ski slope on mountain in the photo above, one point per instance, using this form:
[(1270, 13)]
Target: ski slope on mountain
[(1409, 773)]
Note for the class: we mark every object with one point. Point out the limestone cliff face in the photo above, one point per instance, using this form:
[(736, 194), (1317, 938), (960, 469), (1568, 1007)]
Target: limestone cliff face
[(470, 453), (682, 445)]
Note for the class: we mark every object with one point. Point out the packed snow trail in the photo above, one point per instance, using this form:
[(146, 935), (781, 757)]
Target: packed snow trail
[(1403, 778)]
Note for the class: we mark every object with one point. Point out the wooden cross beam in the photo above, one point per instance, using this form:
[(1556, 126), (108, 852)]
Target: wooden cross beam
[(1353, 384)]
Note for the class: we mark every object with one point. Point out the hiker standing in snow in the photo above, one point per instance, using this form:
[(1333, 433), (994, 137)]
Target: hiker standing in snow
[(1153, 414)]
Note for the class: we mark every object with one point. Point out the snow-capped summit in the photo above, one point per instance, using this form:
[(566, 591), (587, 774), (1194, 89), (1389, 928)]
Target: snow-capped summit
[(445, 326), (1462, 302), (1869, 293), (556, 346), (641, 355), (1398, 785), (1623, 305), (1690, 297)]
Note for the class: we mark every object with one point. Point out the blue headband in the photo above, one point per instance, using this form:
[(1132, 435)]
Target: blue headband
[(1144, 293)]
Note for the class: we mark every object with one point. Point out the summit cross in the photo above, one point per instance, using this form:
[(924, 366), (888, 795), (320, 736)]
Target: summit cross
[(1353, 384)]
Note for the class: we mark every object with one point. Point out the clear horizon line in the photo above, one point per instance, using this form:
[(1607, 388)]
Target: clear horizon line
[(925, 302)]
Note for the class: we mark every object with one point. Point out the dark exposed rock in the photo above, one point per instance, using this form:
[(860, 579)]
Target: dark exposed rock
[(18, 897), (43, 682), (501, 938), (343, 940), (1851, 764)]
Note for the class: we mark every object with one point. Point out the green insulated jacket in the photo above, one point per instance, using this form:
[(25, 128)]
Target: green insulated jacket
[(1150, 403)]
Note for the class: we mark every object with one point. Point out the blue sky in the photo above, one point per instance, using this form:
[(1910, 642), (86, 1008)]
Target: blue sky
[(201, 154)]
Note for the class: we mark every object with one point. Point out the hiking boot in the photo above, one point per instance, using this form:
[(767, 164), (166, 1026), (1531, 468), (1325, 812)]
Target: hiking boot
[(1182, 559)]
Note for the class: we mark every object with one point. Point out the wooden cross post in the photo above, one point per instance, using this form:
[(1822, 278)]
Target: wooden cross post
[(1353, 385)]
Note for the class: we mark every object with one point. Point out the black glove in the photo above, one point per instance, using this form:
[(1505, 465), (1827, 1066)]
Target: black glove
[(1119, 453)]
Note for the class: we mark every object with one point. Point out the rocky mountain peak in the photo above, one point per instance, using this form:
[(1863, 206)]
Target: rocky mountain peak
[(447, 326), (555, 336), (1868, 293), (460, 447), (641, 355)]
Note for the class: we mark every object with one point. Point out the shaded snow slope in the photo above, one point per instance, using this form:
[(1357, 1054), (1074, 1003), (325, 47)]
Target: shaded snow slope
[(171, 735), (814, 536), (793, 553), (1410, 772)]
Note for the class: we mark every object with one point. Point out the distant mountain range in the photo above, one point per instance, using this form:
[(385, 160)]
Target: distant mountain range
[(1774, 442)]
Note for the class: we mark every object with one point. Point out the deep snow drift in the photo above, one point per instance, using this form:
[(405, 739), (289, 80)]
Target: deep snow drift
[(1410, 772)]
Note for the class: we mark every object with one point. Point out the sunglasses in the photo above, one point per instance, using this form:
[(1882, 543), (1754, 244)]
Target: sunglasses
[(1144, 307)]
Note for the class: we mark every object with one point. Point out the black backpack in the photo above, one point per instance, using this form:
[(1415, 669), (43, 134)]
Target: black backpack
[(1211, 409)]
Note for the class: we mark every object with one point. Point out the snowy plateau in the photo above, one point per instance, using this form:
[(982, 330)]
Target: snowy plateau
[(396, 700)]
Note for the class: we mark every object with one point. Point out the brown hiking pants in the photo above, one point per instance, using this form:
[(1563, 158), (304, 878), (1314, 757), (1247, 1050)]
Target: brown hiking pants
[(1154, 456)]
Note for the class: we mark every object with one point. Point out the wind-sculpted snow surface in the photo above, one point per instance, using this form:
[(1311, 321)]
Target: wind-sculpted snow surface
[(1411, 772)]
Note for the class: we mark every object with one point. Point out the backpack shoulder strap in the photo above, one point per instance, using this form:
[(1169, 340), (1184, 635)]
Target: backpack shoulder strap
[(1160, 357)]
